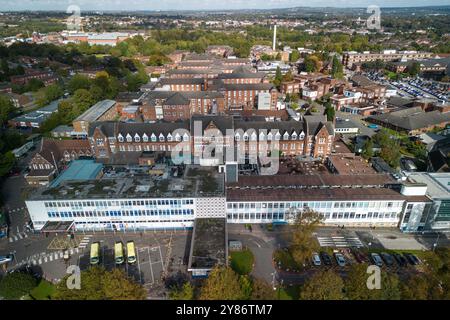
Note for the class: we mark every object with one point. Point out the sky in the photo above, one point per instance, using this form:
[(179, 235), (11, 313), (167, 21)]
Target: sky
[(135, 5)]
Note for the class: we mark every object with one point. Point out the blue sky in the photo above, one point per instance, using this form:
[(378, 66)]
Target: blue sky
[(6, 5)]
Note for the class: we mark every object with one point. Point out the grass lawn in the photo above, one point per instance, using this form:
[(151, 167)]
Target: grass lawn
[(242, 261), (288, 293), (43, 291)]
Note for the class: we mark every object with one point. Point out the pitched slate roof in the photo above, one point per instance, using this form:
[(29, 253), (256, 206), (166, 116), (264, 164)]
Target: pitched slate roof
[(412, 118), (176, 99)]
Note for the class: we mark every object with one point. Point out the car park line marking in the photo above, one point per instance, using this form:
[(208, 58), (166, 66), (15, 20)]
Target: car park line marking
[(139, 267), (151, 268)]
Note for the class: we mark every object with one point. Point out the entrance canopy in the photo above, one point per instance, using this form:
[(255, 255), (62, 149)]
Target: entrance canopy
[(57, 226)]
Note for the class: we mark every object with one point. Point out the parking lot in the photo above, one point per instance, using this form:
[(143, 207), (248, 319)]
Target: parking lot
[(159, 255)]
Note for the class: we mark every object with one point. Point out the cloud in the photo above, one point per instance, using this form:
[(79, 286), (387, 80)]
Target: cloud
[(134, 5)]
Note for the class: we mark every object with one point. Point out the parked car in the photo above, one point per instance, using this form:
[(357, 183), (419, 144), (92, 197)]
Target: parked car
[(412, 259), (360, 257), (376, 259), (340, 259), (400, 259), (316, 259), (409, 258), (326, 258), (387, 258), (6, 259)]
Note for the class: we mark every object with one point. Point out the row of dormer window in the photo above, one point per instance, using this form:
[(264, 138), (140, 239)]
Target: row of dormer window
[(270, 136), (152, 138)]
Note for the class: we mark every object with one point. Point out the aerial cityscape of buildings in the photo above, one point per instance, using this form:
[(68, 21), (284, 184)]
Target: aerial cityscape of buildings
[(207, 139)]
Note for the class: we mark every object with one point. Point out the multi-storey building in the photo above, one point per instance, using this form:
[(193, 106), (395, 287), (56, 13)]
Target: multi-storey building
[(351, 58), (311, 137)]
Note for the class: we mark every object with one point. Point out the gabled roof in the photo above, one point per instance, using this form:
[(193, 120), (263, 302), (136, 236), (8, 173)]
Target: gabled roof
[(176, 99)]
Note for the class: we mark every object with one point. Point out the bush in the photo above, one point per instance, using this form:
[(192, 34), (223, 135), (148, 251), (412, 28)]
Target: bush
[(15, 285), (242, 261)]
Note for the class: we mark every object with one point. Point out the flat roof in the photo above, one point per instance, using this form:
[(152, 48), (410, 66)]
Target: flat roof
[(79, 170), (350, 164), (438, 184), (96, 111), (196, 182), (320, 194), (209, 243)]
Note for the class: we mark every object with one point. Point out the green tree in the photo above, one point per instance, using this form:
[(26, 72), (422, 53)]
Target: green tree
[(367, 151), (7, 161), (78, 81), (415, 288), (15, 285), (294, 56), (185, 293), (324, 285), (48, 94), (262, 290), (246, 287), (278, 78), (303, 243), (329, 111), (311, 63), (99, 284), (6, 108), (414, 69), (356, 283), (222, 284), (337, 70)]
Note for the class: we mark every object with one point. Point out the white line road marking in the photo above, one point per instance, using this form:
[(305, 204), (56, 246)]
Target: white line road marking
[(11, 240), (139, 267), (151, 269), (20, 236)]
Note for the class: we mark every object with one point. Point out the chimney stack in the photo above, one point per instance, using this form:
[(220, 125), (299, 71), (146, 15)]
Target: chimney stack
[(274, 37)]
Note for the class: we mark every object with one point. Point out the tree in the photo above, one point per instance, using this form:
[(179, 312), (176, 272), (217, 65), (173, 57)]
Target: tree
[(324, 285), (246, 287), (222, 284), (185, 293), (337, 70), (278, 78), (294, 56), (367, 151), (117, 286), (262, 290), (303, 243), (311, 63), (7, 161), (414, 69), (356, 283), (48, 94), (415, 288), (6, 108), (99, 284), (330, 111), (15, 285), (390, 289), (78, 81)]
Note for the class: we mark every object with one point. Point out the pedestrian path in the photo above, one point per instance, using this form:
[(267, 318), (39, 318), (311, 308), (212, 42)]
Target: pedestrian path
[(340, 242), (84, 242), (45, 257), (17, 237)]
